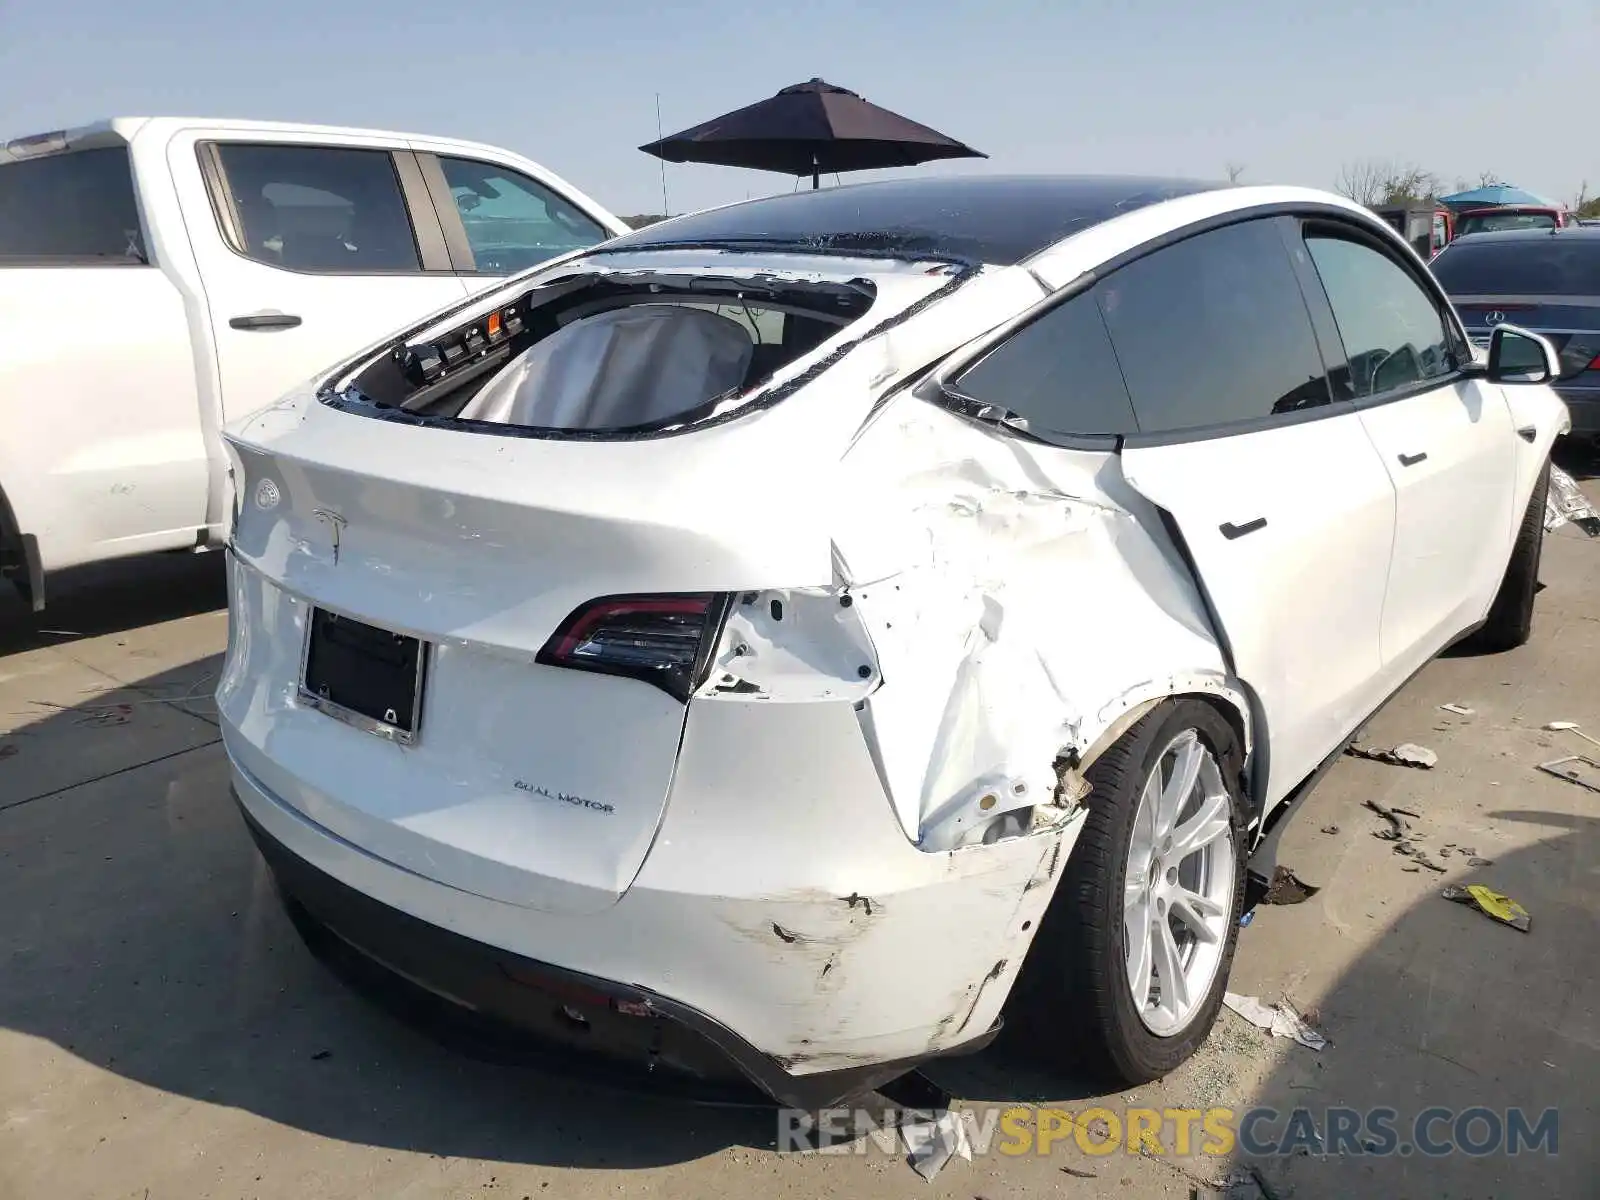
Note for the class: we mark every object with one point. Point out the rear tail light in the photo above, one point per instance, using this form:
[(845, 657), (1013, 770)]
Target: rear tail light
[(662, 640), (1594, 363)]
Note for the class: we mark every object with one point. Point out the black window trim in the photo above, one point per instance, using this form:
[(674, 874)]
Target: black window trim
[(78, 262), (1351, 231), (937, 388), (425, 230)]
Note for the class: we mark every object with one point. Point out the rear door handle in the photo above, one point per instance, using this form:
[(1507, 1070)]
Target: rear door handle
[(1231, 531), (1527, 432), (266, 319), (1411, 460)]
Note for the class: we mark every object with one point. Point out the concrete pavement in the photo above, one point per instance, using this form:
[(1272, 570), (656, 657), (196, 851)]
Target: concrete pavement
[(163, 1033)]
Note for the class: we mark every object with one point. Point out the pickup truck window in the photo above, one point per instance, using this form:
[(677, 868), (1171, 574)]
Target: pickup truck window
[(513, 222), (70, 209), (323, 209)]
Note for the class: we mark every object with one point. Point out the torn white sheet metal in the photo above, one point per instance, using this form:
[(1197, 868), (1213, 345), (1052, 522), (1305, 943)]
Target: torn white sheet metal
[(794, 645), (1280, 1020), (1011, 599), (1565, 502)]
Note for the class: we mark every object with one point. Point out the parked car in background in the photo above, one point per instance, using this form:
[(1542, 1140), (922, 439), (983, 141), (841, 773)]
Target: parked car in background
[(161, 276), (1510, 216), (1543, 280), (1428, 227), (774, 642)]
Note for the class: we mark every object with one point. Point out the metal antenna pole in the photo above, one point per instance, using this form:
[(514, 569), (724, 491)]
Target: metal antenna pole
[(666, 209)]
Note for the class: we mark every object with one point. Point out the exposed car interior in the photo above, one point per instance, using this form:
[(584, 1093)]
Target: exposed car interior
[(613, 355)]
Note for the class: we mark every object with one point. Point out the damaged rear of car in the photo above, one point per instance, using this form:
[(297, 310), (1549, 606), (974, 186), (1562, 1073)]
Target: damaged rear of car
[(687, 652)]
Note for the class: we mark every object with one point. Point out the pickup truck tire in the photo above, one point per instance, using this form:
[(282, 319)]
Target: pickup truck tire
[(1076, 998), (19, 558), (1510, 620)]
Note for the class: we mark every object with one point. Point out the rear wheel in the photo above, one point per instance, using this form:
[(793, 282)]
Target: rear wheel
[(1510, 620), (1128, 970)]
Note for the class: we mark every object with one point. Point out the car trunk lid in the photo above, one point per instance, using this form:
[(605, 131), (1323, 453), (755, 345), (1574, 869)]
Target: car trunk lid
[(529, 783)]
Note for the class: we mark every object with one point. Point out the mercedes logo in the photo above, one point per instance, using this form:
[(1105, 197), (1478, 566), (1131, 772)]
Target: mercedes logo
[(1494, 318)]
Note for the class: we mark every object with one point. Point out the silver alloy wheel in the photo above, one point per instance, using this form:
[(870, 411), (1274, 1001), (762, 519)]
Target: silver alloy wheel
[(1178, 891)]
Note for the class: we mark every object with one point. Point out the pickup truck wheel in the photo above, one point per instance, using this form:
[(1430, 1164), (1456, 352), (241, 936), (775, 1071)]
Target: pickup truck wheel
[(1510, 620), (1130, 963)]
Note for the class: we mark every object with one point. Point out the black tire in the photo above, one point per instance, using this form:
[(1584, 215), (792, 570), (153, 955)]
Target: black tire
[(1075, 1002), (1510, 620)]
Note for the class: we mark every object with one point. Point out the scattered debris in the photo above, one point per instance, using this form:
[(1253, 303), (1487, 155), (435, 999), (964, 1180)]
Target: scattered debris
[(1461, 710), (1412, 869), (1569, 727), (1406, 754), (1280, 1020), (1421, 859), (8, 750), (1247, 918), (1077, 1174), (1330, 829), (1479, 862), (932, 1143), (1398, 828), (1406, 812), (1491, 903), (1565, 502), (320, 1055), (1575, 768), (1288, 888)]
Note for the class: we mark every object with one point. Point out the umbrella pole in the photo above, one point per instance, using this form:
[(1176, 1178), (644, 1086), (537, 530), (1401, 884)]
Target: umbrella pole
[(816, 174)]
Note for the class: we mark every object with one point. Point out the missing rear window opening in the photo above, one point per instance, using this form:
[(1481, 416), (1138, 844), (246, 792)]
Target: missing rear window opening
[(603, 357)]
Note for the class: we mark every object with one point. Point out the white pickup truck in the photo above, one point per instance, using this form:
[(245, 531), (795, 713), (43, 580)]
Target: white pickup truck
[(160, 277)]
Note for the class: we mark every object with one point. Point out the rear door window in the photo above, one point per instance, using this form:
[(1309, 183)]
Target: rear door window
[(513, 222), (1059, 372), (67, 209), (1554, 265), (1394, 334), (1214, 331), (323, 209), (1493, 222)]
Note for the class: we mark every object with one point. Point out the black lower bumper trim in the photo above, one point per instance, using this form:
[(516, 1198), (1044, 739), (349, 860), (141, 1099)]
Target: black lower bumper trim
[(509, 1006)]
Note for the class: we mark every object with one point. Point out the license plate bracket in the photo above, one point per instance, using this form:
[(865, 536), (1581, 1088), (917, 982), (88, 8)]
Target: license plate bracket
[(366, 676)]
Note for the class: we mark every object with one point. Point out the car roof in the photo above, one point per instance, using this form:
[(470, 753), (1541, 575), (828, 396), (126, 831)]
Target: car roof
[(998, 219), (1582, 233)]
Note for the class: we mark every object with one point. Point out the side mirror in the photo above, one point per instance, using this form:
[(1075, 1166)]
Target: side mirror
[(1517, 356)]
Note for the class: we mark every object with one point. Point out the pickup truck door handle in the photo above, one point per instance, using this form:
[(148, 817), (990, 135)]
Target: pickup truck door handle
[(266, 319), (1527, 432), (1411, 460), (1231, 531)]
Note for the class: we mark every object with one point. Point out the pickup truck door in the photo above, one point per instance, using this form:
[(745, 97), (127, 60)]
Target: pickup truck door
[(307, 250), (1446, 440)]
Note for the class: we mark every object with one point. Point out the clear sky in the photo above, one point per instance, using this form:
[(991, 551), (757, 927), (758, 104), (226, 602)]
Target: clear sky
[(1287, 88)]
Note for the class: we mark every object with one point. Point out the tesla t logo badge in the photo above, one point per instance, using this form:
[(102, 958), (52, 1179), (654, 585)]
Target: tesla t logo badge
[(335, 523), (1494, 318)]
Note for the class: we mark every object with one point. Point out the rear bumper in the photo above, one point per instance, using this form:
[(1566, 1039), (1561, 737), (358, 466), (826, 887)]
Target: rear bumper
[(401, 961), (809, 946)]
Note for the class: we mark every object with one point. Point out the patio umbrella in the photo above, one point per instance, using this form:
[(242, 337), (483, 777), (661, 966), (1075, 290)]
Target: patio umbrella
[(809, 129), (1492, 196)]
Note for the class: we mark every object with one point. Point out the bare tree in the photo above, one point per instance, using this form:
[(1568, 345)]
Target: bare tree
[(1374, 181), (1584, 205), (1363, 181), (1406, 185), (1489, 179), (1234, 170)]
